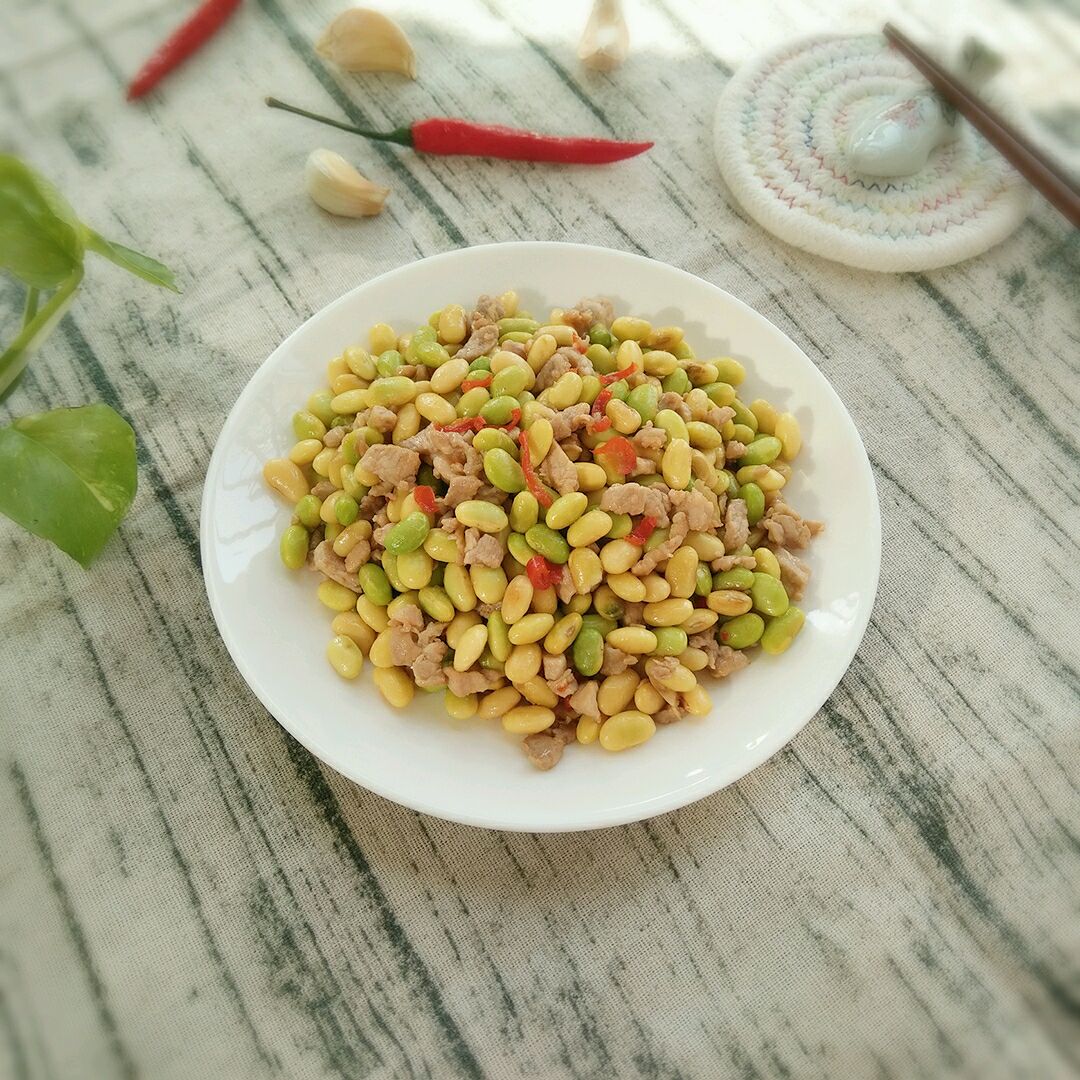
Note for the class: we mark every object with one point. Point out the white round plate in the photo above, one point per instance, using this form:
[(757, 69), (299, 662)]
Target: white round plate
[(470, 771)]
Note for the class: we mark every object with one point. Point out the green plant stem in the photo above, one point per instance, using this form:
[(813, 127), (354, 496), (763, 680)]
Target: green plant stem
[(398, 135), (31, 306)]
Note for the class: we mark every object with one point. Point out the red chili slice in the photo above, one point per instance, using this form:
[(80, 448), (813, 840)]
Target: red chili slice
[(470, 423), (539, 571), (424, 497), (480, 380), (515, 419), (642, 531), (531, 479), (615, 376), (622, 454), (580, 343)]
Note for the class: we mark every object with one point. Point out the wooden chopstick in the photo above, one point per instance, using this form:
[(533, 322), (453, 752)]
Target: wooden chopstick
[(1042, 172)]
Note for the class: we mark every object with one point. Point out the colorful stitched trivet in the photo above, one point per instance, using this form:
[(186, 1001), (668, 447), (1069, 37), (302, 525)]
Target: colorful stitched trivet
[(780, 135)]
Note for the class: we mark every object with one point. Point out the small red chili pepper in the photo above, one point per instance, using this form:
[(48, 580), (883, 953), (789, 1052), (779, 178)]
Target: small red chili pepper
[(602, 424), (480, 380), (515, 419), (446, 135), (424, 497), (531, 479), (470, 423), (203, 23), (580, 343), (623, 454), (542, 573), (615, 376), (642, 531)]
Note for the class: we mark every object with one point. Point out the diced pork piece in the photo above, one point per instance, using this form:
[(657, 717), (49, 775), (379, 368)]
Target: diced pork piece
[(674, 402), (382, 419), (408, 617), (786, 527), (794, 573), (328, 562), (649, 439), (427, 668), (736, 526), (662, 552), (637, 499), (482, 340), (482, 549), (403, 647), (558, 470), (391, 464), (461, 488), (488, 310), (616, 661), (474, 681), (583, 701), (585, 314), (723, 660), (701, 512)]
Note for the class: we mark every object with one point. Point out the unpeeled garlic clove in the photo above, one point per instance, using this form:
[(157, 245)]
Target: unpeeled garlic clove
[(606, 40), (364, 40), (339, 189)]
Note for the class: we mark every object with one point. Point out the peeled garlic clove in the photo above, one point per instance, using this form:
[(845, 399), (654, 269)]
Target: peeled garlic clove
[(606, 40), (339, 189), (364, 40)]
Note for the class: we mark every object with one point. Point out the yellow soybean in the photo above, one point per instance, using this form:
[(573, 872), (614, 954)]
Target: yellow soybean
[(617, 556), (627, 587), (477, 514), (671, 612), (729, 602), (566, 509), (414, 569), (531, 628), (336, 597), (523, 663), (395, 686), (675, 464), (345, 656), (767, 562), (286, 478), (632, 639), (626, 729), (538, 692), (617, 691), (517, 599), (587, 529), (436, 408), (449, 376), (586, 570), (527, 719), (647, 698), (590, 477), (561, 635), (701, 619), (460, 708), (488, 582), (681, 572), (588, 729), (459, 588), (471, 644), (461, 622)]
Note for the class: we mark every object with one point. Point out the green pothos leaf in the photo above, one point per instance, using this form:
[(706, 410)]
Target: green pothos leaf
[(69, 476)]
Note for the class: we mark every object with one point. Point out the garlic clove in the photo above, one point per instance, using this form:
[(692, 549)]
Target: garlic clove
[(339, 189), (364, 40), (606, 40)]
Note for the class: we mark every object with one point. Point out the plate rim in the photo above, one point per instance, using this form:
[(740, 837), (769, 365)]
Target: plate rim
[(618, 815)]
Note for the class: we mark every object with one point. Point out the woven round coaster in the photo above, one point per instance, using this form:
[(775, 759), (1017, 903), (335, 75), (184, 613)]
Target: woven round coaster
[(780, 135)]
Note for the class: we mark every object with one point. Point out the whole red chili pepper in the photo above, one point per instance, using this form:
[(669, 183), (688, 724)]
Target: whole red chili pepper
[(531, 479), (642, 531), (470, 423), (446, 135), (480, 380), (203, 23), (424, 497)]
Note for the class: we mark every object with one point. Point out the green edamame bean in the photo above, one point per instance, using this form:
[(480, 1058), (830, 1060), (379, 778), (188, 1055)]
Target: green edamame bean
[(306, 425), (427, 477), (294, 546), (590, 389), (307, 510), (670, 640), (742, 631), (318, 405), (703, 580), (524, 512), (547, 542), (619, 390), (732, 484), (520, 336), (643, 400), (499, 409), (769, 595), (744, 415), (704, 436), (498, 637), (518, 325), (435, 602), (754, 498), (437, 573), (345, 509), (781, 631), (472, 401), (588, 651), (494, 439), (601, 359), (389, 565), (658, 537), (421, 336), (375, 583), (481, 363), (432, 354), (396, 390), (510, 381), (621, 525), (764, 450), (736, 578), (489, 663), (673, 424), (503, 471), (519, 548), (598, 623), (408, 534), (388, 362), (678, 382), (720, 393), (682, 351), (477, 514), (599, 334)]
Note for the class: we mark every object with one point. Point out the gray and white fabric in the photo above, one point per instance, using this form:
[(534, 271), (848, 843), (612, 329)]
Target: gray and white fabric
[(185, 892)]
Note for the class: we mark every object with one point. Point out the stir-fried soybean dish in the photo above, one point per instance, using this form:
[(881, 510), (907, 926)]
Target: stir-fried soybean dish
[(558, 524)]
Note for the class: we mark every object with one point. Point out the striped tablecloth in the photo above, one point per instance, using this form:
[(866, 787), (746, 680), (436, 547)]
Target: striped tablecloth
[(186, 892)]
